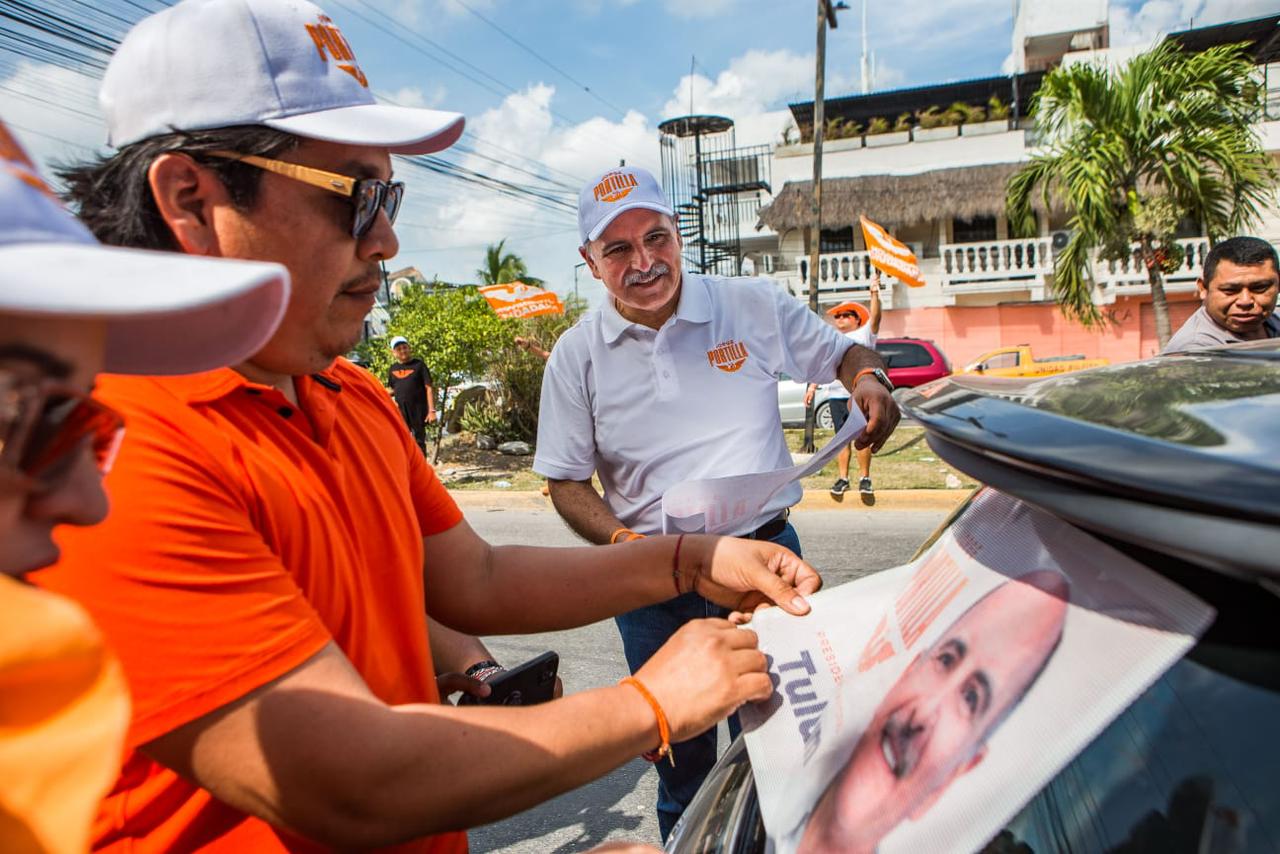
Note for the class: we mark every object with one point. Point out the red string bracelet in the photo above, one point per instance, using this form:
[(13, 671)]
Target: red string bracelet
[(675, 565)]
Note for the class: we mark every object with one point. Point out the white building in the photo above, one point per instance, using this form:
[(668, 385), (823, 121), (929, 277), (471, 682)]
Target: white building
[(942, 190)]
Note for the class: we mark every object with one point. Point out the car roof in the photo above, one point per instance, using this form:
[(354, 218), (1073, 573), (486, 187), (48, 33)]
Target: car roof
[(1187, 442)]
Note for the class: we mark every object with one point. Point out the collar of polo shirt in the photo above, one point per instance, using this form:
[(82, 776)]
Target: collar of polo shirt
[(694, 307)]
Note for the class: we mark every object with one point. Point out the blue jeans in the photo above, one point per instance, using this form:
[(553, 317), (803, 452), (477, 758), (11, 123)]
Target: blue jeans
[(643, 631)]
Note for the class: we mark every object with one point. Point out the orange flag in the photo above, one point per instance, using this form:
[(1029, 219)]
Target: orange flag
[(516, 299), (891, 255)]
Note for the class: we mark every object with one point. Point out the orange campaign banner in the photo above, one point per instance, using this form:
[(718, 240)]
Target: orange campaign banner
[(516, 299), (891, 255)]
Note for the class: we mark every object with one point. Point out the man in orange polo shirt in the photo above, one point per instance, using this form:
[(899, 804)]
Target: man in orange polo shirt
[(275, 530)]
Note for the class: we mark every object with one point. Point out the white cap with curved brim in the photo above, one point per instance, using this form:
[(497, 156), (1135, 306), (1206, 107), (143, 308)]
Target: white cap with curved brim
[(614, 192), (397, 341), (204, 64), (166, 313)]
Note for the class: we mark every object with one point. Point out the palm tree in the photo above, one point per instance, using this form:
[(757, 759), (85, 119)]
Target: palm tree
[(1131, 152), (499, 269)]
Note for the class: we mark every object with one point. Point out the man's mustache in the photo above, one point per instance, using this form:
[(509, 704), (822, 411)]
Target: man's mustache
[(657, 271)]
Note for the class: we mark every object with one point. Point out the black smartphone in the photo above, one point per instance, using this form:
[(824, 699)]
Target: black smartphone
[(524, 685)]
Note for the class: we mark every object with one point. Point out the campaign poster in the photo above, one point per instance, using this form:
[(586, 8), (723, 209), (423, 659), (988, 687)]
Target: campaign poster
[(918, 709)]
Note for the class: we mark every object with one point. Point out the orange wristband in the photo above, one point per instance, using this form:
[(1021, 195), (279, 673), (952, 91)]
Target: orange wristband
[(860, 374), (664, 728), (618, 536)]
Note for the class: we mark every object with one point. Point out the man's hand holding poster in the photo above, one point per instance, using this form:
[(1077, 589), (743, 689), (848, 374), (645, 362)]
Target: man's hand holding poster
[(919, 708)]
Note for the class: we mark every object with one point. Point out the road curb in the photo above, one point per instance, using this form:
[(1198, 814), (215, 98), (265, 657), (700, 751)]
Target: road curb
[(814, 499)]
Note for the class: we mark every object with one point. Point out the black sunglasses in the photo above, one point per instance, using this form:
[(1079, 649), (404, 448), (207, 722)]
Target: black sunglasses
[(367, 195)]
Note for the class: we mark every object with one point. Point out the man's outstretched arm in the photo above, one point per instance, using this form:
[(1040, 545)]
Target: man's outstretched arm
[(486, 590), (317, 753)]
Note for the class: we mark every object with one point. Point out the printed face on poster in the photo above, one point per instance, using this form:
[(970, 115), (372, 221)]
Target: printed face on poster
[(919, 708)]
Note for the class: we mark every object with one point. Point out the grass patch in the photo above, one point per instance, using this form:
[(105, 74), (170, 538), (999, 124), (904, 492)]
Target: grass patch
[(905, 462)]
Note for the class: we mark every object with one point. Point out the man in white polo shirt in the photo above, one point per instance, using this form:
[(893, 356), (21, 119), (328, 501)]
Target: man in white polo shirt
[(674, 377)]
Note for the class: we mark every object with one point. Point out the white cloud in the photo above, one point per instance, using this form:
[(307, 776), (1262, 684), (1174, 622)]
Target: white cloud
[(521, 133), (413, 96), (53, 112), (1153, 19)]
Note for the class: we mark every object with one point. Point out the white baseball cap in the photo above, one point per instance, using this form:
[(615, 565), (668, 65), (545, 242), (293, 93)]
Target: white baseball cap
[(166, 313), (614, 192), (398, 340), (204, 64)]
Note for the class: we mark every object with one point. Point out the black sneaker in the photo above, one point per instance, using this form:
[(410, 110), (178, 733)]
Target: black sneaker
[(864, 486), (840, 487)]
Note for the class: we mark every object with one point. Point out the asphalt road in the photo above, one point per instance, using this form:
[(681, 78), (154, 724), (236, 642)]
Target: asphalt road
[(842, 544)]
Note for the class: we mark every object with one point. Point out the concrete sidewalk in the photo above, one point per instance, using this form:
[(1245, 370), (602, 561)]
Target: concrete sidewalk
[(814, 499)]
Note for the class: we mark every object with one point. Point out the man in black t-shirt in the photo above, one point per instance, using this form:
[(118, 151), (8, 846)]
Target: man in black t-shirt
[(410, 383)]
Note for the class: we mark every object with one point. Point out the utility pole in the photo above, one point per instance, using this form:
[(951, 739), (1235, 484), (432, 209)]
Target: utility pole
[(826, 17), (866, 63)]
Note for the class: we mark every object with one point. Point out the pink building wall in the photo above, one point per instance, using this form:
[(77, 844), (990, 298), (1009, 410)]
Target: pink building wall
[(965, 332)]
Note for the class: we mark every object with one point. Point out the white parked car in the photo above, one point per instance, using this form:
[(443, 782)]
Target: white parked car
[(791, 404)]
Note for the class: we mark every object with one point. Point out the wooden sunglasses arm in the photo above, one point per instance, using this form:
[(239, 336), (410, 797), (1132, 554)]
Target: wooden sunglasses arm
[(331, 181)]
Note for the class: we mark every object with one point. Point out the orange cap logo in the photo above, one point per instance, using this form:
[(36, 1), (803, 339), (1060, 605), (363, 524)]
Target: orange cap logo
[(729, 356), (615, 186), (331, 43)]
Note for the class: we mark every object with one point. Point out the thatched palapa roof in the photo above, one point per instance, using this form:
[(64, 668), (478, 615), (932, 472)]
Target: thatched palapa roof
[(894, 200)]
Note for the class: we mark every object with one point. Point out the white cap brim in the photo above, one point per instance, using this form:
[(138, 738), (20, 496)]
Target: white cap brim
[(404, 130), (166, 313), (619, 211)]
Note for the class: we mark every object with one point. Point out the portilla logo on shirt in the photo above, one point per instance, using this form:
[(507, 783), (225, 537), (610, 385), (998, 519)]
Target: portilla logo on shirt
[(401, 373), (615, 186), (331, 43), (728, 356)]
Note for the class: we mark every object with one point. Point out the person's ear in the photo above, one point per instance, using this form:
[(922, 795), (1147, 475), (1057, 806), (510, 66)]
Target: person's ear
[(585, 252), (924, 806), (186, 193), (1202, 288)]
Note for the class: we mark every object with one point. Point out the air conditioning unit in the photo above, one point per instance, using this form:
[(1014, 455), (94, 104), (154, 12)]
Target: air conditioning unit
[(1059, 240)]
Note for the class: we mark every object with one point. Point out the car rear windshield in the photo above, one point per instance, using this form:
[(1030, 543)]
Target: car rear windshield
[(902, 354)]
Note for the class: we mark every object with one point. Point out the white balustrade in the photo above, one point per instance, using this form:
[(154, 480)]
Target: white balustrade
[(1129, 274), (1026, 261)]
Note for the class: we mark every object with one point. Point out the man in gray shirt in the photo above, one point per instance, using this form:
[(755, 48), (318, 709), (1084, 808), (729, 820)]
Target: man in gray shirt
[(1238, 297)]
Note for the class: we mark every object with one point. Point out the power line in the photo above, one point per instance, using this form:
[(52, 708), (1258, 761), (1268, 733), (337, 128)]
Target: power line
[(584, 87)]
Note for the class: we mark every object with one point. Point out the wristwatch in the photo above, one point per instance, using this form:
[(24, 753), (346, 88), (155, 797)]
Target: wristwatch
[(879, 375)]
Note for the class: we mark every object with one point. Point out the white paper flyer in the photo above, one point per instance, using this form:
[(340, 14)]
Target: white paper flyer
[(919, 708), (718, 505)]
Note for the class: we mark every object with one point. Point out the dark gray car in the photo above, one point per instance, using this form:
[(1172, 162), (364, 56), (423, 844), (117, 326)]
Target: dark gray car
[(1175, 462)]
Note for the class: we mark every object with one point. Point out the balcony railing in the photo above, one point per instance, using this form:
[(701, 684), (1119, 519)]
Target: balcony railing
[(1026, 262), (1129, 274), (841, 275)]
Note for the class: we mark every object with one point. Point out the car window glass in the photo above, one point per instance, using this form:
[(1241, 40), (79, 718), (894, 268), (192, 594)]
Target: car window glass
[(1190, 766), (1003, 360), (904, 355)]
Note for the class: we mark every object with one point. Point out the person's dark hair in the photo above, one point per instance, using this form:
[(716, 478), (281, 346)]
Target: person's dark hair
[(112, 195), (1244, 251)]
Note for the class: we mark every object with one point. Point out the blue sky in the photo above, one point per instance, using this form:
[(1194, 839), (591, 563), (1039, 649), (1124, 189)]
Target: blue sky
[(750, 58)]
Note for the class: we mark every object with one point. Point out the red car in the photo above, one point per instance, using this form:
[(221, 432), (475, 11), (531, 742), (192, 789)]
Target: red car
[(912, 361)]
